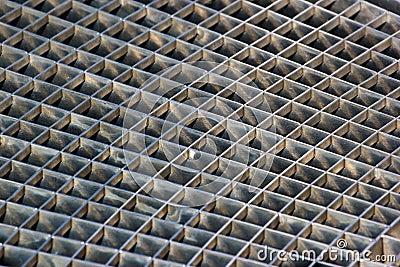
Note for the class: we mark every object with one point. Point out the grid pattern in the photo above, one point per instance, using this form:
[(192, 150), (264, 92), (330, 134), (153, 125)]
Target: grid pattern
[(329, 70)]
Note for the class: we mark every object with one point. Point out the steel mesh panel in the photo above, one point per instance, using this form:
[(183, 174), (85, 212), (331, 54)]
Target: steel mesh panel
[(328, 70)]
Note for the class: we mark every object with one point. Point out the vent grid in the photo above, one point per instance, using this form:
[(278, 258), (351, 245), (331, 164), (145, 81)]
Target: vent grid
[(329, 71)]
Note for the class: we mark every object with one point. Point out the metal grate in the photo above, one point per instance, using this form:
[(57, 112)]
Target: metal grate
[(325, 74)]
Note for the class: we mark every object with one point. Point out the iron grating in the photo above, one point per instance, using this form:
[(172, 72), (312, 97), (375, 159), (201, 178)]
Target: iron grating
[(116, 115)]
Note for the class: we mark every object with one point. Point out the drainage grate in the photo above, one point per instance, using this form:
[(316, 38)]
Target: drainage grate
[(313, 85)]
